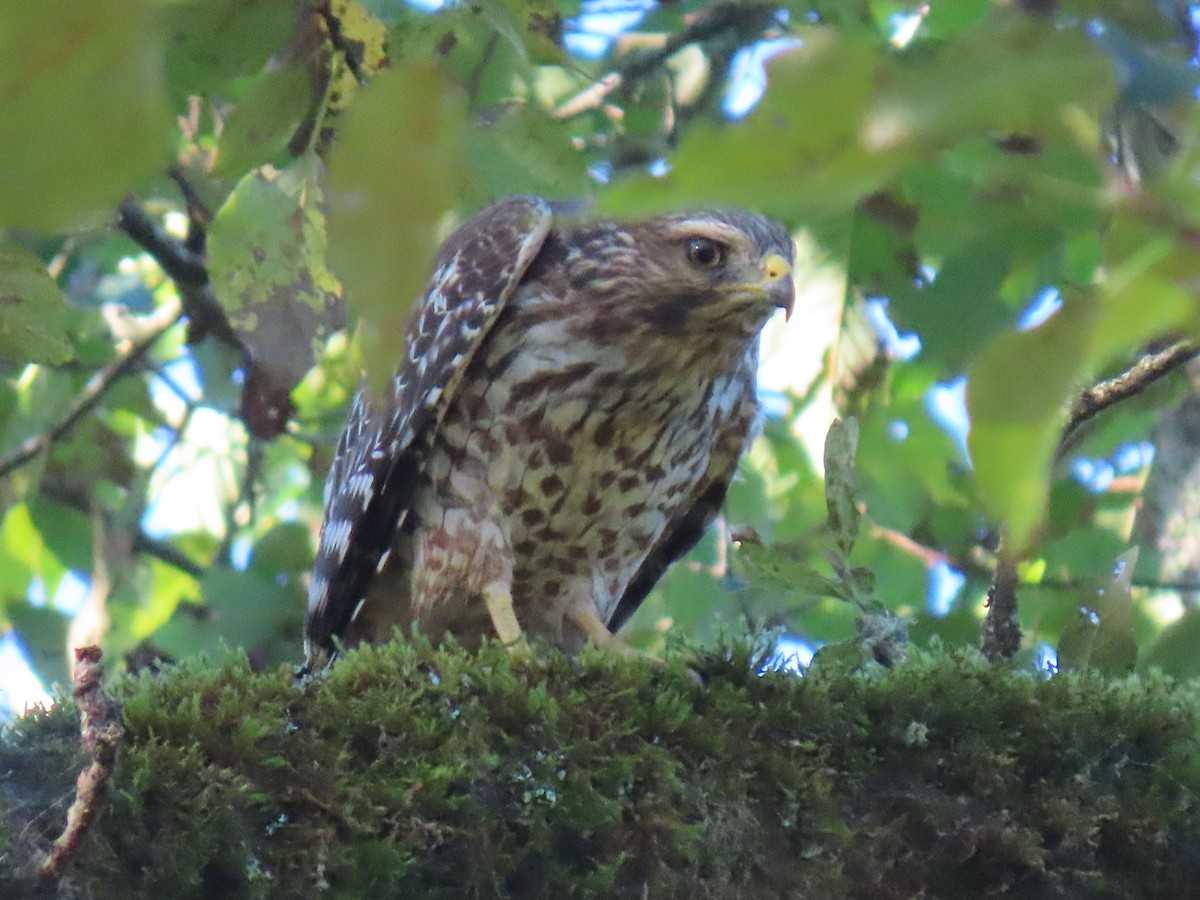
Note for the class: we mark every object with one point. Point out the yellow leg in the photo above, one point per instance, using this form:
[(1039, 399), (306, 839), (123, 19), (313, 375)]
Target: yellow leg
[(584, 615), (498, 597)]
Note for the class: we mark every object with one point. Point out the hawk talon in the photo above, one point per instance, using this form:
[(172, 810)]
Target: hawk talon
[(584, 615), (498, 598)]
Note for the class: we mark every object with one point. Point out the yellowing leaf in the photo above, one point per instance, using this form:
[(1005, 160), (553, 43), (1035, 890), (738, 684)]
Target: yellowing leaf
[(267, 265)]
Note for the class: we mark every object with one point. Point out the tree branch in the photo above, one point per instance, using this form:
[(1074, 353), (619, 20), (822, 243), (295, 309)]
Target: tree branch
[(1001, 628), (92, 392), (1099, 397), (183, 262), (100, 731)]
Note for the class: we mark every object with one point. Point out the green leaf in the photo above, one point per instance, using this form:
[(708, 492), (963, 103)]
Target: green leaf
[(83, 116), (211, 42), (43, 631), (519, 149), (1177, 650), (241, 609), (33, 311), (841, 484), (1016, 393), (799, 152), (67, 532), (267, 266), (263, 121), (1102, 637), (1034, 69), (960, 310), (786, 567), (285, 548), (394, 172)]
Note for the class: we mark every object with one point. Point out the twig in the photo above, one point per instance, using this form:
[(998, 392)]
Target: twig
[(749, 20), (100, 730), (92, 392), (1099, 397), (183, 261), (927, 555), (161, 550), (183, 266)]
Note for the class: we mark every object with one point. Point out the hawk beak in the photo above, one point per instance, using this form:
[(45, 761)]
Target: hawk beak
[(777, 281)]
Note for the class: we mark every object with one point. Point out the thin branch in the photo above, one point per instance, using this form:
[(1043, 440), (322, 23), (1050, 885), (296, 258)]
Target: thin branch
[(168, 553), (180, 264), (748, 20), (143, 543), (928, 555), (100, 731), (1147, 370), (93, 392), (183, 261)]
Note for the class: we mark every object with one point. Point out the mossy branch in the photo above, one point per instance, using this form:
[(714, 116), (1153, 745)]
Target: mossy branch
[(412, 772)]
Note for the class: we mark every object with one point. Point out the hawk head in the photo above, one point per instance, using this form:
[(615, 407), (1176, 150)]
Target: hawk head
[(704, 271)]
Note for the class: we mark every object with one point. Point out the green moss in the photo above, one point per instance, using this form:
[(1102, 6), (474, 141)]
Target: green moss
[(413, 772)]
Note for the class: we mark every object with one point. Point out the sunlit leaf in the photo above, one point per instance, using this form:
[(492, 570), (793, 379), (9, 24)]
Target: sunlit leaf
[(1016, 393)]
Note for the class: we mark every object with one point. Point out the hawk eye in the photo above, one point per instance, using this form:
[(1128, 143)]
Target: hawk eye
[(705, 253)]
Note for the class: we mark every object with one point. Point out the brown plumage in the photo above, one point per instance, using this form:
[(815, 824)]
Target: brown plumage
[(563, 426)]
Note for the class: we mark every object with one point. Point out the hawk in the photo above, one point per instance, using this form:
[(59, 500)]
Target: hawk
[(569, 410)]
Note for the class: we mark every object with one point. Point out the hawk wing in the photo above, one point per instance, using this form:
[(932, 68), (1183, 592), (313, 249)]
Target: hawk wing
[(686, 529), (381, 450)]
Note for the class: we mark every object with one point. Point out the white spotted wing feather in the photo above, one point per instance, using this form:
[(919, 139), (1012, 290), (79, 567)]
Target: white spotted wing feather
[(380, 453)]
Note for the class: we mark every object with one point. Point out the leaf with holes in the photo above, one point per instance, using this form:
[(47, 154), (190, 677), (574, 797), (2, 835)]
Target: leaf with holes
[(267, 265)]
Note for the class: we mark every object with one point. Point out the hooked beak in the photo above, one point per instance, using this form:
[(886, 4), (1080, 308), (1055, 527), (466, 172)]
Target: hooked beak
[(777, 283)]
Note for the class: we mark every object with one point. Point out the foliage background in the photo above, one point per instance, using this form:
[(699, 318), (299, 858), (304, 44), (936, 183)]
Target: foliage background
[(190, 204)]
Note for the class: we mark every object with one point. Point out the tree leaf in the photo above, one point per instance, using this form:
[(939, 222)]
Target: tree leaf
[(84, 115), (841, 484), (1102, 637), (33, 311), (43, 631), (267, 266), (1016, 393), (519, 149), (393, 174), (211, 42), (263, 121)]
